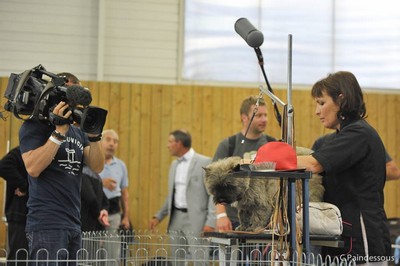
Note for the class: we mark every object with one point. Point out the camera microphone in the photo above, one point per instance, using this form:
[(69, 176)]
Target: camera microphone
[(253, 37), (91, 119), (78, 95)]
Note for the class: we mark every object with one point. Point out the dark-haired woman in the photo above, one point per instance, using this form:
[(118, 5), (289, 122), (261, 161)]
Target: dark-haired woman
[(354, 167)]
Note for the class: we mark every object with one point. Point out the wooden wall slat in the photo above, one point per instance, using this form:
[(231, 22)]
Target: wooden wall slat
[(144, 115), (133, 159), (122, 122), (196, 118), (156, 145)]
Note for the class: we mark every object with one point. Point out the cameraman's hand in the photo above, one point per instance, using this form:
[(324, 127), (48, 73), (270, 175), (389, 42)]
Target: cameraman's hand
[(59, 110)]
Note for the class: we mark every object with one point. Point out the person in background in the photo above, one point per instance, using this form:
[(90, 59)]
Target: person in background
[(12, 169), (53, 156), (244, 146), (115, 186), (94, 202), (115, 182), (355, 169), (190, 208)]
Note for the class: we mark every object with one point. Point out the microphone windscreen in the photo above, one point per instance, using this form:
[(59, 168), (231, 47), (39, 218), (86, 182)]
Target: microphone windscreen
[(249, 33), (77, 94)]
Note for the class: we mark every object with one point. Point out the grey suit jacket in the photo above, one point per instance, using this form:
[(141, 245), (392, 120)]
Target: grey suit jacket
[(201, 208)]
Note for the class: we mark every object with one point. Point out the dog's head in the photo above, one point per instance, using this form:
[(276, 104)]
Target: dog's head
[(220, 183)]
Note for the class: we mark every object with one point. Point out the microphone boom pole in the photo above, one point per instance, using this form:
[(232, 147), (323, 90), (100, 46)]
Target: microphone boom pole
[(254, 38)]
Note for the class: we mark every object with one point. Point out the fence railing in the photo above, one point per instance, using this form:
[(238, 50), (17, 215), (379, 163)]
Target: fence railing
[(147, 249)]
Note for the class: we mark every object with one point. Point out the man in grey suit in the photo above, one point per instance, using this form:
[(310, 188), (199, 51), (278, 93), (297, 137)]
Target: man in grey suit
[(189, 206)]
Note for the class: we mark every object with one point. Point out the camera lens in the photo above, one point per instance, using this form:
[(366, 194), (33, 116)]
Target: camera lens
[(93, 120)]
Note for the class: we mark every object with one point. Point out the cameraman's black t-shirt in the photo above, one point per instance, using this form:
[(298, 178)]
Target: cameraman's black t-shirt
[(54, 196)]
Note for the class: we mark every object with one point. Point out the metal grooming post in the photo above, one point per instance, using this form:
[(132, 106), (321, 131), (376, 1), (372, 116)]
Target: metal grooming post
[(288, 136)]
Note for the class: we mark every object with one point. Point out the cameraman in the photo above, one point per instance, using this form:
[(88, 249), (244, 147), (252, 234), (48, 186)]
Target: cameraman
[(53, 156)]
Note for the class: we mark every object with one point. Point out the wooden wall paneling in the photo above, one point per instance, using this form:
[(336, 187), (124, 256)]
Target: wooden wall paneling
[(196, 130), (207, 118), (227, 122), (115, 107), (93, 86), (391, 125), (182, 108), (145, 160), (307, 124), (156, 146), (104, 101), (216, 104), (161, 184), (381, 124), (122, 124), (233, 116), (134, 169)]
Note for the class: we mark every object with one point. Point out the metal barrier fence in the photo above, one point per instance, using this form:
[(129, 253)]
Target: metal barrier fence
[(146, 249)]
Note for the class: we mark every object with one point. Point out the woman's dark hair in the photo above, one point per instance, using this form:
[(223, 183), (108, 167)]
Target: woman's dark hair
[(344, 89), (182, 136)]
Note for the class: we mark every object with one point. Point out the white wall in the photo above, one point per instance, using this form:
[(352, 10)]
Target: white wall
[(110, 40)]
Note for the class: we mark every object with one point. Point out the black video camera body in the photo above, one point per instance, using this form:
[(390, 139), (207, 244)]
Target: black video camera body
[(30, 96)]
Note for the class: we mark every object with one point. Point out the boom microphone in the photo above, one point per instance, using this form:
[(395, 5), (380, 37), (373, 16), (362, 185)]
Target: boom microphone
[(249, 33)]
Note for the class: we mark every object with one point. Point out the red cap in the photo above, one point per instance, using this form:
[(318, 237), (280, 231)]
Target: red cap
[(279, 152)]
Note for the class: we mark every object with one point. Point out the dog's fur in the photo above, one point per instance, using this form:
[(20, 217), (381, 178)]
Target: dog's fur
[(253, 197)]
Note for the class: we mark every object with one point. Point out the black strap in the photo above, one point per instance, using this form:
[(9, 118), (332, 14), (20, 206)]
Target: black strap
[(58, 120), (232, 143)]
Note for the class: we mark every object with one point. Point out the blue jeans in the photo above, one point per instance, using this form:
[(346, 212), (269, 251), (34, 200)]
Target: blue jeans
[(51, 247)]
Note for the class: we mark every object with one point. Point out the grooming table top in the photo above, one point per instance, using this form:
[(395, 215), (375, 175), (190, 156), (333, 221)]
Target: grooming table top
[(230, 238)]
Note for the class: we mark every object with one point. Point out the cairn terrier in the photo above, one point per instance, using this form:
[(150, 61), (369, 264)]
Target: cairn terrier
[(254, 198)]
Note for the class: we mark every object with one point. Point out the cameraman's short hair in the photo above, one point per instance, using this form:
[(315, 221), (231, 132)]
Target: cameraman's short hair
[(70, 78)]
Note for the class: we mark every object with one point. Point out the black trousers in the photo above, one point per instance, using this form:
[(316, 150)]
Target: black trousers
[(17, 240)]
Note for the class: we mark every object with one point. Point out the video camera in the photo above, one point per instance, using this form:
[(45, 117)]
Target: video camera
[(31, 96)]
